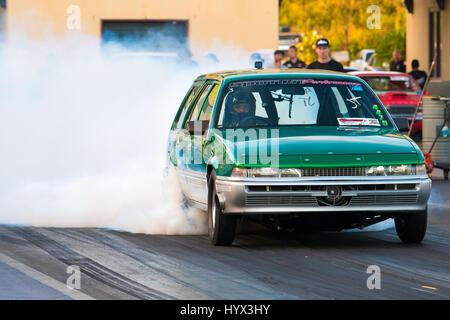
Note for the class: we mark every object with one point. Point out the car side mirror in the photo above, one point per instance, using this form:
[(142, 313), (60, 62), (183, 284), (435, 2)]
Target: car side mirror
[(198, 127), (402, 124)]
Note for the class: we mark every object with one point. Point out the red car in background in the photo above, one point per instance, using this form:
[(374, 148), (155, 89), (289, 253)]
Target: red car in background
[(399, 92)]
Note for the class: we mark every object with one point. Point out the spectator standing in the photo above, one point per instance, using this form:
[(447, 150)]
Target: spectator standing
[(324, 61), (294, 61), (278, 56), (397, 63), (419, 75)]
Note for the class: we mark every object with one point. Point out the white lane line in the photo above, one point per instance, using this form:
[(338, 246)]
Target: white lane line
[(423, 290), (36, 275)]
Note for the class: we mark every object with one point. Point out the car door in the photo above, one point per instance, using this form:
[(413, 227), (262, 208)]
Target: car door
[(176, 136), (195, 169), (200, 142)]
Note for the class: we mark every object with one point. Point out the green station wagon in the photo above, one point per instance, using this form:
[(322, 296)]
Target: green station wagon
[(296, 149)]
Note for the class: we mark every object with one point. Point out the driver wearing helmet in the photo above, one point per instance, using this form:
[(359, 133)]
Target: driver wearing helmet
[(241, 108)]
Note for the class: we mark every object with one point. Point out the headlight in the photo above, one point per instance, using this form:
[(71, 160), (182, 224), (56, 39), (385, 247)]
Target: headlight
[(263, 172), (401, 170), (274, 172), (291, 172), (376, 171), (266, 172), (396, 170)]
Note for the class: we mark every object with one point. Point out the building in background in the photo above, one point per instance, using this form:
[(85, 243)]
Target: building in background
[(249, 25), (427, 34), (288, 38)]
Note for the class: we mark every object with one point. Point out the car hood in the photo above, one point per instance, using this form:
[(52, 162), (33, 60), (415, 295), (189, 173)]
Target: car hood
[(329, 142)]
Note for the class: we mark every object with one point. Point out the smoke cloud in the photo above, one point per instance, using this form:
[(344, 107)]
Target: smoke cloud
[(83, 134)]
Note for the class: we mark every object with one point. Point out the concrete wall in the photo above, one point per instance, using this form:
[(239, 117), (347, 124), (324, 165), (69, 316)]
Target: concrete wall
[(249, 24), (417, 42)]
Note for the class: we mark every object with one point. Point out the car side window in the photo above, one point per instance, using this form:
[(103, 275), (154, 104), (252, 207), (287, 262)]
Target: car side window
[(193, 113), (208, 105), (191, 95)]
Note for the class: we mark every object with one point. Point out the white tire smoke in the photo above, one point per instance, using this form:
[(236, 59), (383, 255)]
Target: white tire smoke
[(83, 138)]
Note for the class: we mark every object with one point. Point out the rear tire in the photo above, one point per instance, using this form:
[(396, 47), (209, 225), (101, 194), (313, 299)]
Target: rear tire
[(221, 227), (411, 228)]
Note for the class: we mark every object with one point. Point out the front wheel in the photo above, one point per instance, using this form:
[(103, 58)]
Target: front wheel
[(221, 227), (411, 228)]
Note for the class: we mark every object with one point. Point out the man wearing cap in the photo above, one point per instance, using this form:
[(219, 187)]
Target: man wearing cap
[(294, 61), (324, 61)]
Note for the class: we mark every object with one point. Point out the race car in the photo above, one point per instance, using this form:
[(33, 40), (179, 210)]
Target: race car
[(295, 149), (399, 93)]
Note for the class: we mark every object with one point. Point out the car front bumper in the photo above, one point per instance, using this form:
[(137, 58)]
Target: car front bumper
[(288, 195)]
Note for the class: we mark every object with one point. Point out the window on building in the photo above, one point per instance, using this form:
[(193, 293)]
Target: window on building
[(146, 36)]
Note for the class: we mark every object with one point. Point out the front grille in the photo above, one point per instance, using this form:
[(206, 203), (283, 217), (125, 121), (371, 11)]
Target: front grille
[(279, 200), (308, 201), (333, 172), (280, 188), (384, 199)]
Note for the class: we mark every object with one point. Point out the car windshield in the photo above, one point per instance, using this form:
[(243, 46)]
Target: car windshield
[(299, 102), (391, 83)]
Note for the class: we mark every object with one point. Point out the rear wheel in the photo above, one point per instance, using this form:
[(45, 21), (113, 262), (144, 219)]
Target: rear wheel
[(221, 227), (411, 228)]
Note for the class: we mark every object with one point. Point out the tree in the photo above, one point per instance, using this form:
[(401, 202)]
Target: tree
[(345, 24)]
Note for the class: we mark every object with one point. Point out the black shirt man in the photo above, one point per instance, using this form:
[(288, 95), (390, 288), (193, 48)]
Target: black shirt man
[(324, 61), (419, 75), (294, 61), (397, 63)]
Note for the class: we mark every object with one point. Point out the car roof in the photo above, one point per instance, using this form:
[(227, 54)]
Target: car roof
[(267, 73), (379, 73)]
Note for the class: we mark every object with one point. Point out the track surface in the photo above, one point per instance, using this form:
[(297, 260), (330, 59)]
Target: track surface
[(264, 265)]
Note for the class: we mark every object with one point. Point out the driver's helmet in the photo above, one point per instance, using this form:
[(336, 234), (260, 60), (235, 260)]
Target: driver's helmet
[(236, 106)]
